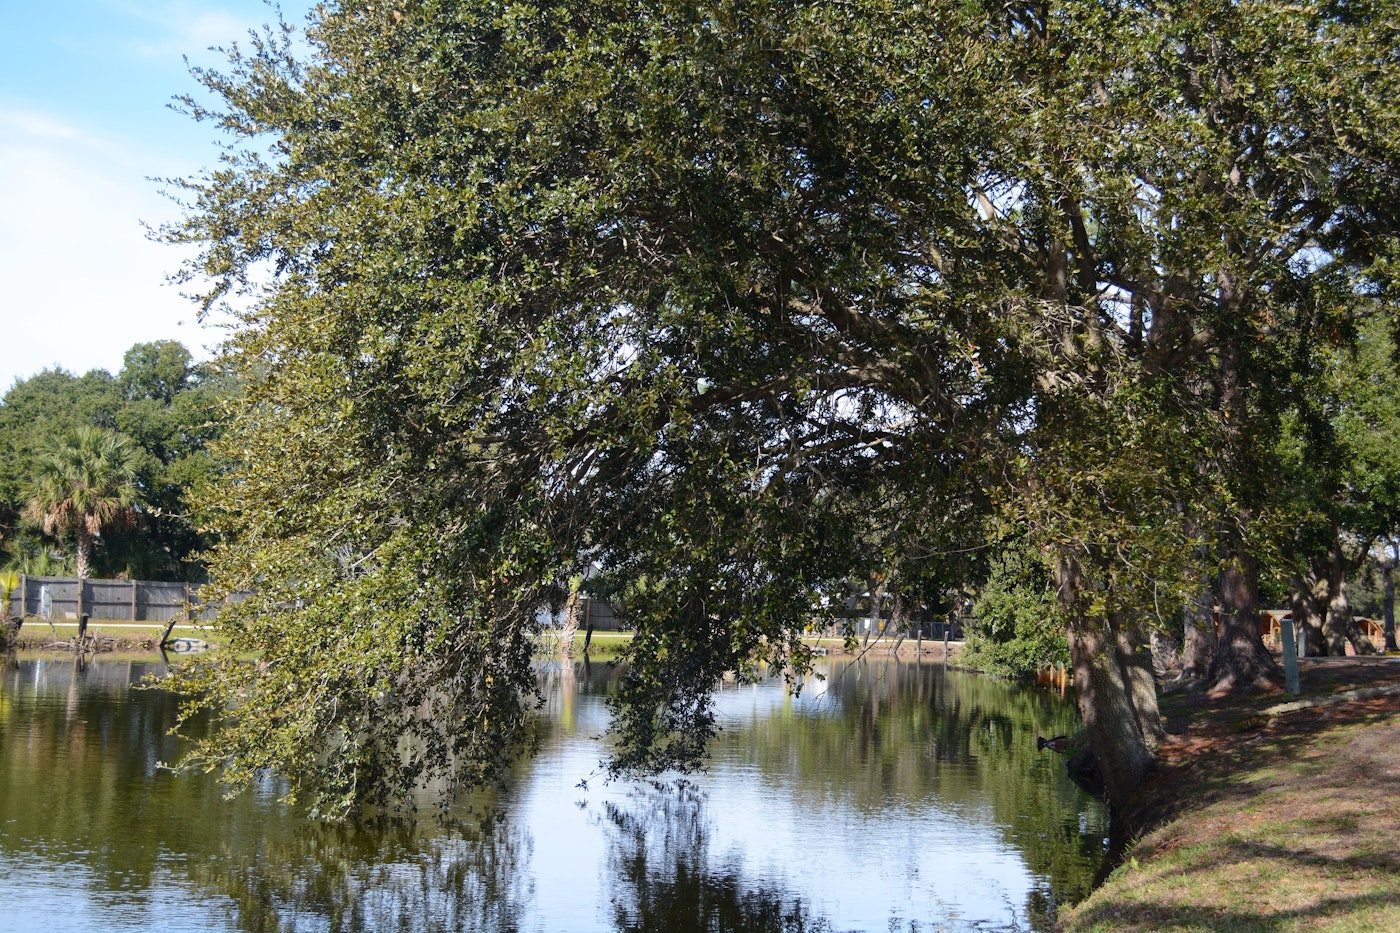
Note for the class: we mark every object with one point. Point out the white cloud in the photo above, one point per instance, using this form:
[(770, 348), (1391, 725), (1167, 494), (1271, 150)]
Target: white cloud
[(79, 280), (184, 28), (18, 124), (192, 34)]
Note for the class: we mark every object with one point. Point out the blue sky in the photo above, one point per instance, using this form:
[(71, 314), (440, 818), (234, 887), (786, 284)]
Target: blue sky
[(84, 126)]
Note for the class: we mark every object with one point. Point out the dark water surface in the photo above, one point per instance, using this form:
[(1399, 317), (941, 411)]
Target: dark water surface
[(889, 797)]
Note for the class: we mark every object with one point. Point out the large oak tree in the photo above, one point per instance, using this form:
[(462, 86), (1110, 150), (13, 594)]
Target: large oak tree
[(726, 296)]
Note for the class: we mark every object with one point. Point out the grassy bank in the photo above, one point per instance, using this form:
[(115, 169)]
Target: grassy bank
[(111, 635), (604, 646), (116, 635), (1269, 815)]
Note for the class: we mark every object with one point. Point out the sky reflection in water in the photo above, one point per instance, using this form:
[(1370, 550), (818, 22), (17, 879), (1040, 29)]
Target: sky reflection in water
[(887, 797)]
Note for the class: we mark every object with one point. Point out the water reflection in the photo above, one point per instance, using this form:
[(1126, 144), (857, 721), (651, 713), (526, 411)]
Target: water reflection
[(908, 737), (661, 876), (324, 878), (887, 796)]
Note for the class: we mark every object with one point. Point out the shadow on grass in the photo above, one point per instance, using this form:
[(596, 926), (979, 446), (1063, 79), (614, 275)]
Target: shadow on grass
[(1266, 823), (1343, 868), (1307, 864), (1212, 770), (1247, 918), (1365, 861)]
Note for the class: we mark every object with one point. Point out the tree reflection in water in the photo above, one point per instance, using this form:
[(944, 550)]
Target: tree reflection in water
[(891, 739), (661, 879), (855, 781), (80, 788), (325, 877)]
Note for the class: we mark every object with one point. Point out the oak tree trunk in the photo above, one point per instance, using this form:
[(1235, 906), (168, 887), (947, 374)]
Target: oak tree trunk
[(1198, 636), (1360, 642), (1105, 704), (899, 621), (1340, 626), (1135, 658), (1241, 661), (1309, 605), (1334, 628), (1105, 695)]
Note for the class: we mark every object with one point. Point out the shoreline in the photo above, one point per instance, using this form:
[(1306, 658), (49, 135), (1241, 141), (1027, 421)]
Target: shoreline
[(125, 637), (36, 636)]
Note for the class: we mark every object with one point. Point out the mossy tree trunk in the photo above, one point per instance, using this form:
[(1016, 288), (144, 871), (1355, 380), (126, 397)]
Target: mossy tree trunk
[(1113, 698)]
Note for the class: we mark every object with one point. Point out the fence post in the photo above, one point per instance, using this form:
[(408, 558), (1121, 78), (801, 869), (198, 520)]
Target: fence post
[(23, 595), (187, 600), (1290, 657), (133, 600)]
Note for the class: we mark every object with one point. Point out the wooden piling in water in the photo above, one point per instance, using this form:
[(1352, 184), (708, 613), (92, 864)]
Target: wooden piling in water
[(169, 627), (588, 625)]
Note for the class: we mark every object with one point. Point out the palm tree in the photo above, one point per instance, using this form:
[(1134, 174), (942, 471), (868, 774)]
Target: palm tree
[(8, 581), (84, 482)]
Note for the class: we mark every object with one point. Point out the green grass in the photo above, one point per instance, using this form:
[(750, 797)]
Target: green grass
[(36, 632), (1296, 836), (604, 646)]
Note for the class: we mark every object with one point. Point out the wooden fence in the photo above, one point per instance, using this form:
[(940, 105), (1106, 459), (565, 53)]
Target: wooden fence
[(152, 601), (119, 600), (594, 613)]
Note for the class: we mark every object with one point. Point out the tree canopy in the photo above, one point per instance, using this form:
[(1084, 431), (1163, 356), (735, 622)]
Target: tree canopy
[(744, 300), (162, 403)]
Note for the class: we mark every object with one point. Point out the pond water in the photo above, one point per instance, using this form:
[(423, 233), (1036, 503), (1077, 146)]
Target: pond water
[(890, 796)]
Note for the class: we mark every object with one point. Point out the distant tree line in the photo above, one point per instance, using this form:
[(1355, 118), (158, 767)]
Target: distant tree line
[(97, 471), (1330, 481)]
